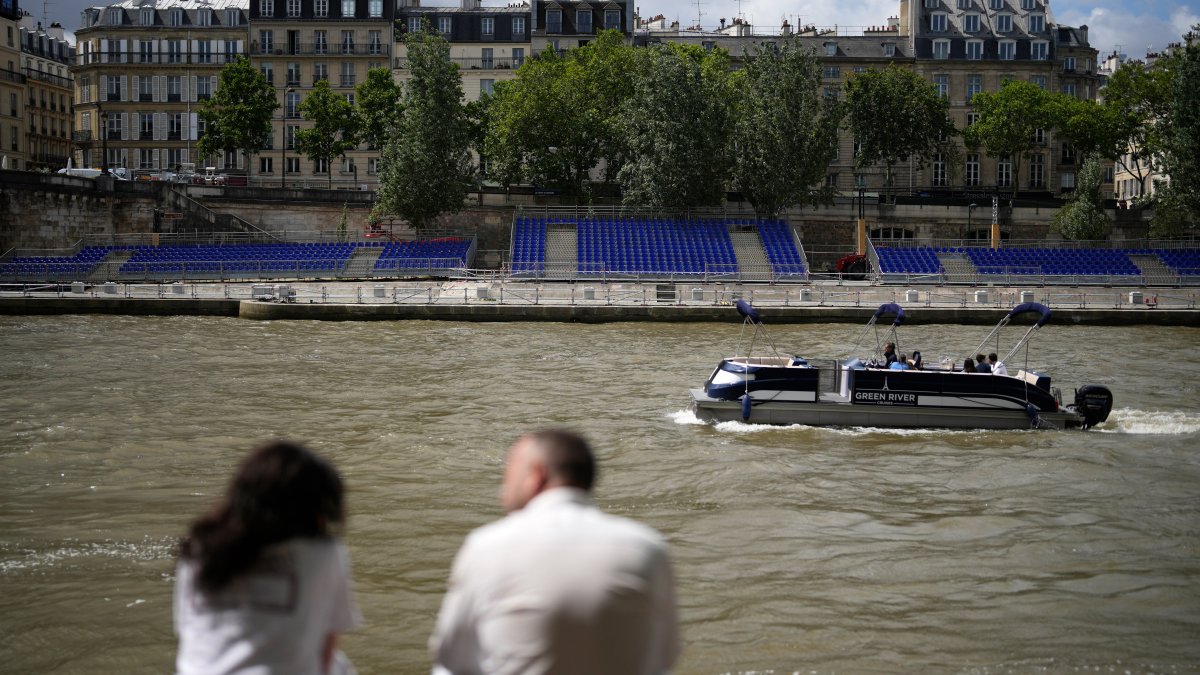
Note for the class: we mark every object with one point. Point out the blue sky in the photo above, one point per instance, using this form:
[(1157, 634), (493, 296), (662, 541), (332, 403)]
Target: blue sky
[(1132, 25)]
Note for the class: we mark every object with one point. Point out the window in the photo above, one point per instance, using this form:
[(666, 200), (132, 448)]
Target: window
[(1068, 154), (1037, 171), (937, 22), (320, 165), (1028, 4), (293, 105), (293, 73), (445, 24), (932, 4), (831, 72), (293, 9), (203, 88), (372, 166), (266, 41), (971, 23), (174, 51), (831, 93), (1039, 80), (972, 118), (518, 57), (115, 122), (487, 26), (265, 165), (268, 71), (174, 88), (996, 4), (583, 21), (114, 17), (145, 126), (1008, 50), (964, 4), (204, 51), (266, 7), (1039, 136), (939, 170), (942, 84), (145, 158), (889, 49), (375, 9), (974, 49), (347, 42), (145, 89), (1037, 23), (831, 180), (860, 181), (1004, 172), (1004, 23), (1038, 50), (1069, 89), (485, 87), (972, 167), (291, 136), (941, 49), (347, 9), (113, 93), (347, 74), (320, 72), (414, 24), (204, 17), (320, 42), (349, 96), (612, 19), (321, 8), (233, 17), (486, 61), (554, 21), (293, 165), (518, 26), (974, 85), (145, 51), (175, 130), (374, 43), (1066, 181), (146, 16), (1069, 64)]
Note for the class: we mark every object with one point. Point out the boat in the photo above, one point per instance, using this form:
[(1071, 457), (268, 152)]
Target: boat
[(852, 391)]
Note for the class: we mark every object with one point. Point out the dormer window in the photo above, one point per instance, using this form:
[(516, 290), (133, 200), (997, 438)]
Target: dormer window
[(146, 16), (204, 17), (114, 16), (971, 23), (889, 49), (941, 49), (938, 22), (830, 49), (1037, 23), (1004, 23), (177, 17), (996, 4), (232, 17)]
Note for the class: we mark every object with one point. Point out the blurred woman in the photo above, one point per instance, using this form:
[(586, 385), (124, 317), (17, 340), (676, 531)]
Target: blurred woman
[(263, 582)]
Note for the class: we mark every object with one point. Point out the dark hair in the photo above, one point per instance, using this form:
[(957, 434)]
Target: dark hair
[(993, 357), (568, 458), (969, 365), (280, 492)]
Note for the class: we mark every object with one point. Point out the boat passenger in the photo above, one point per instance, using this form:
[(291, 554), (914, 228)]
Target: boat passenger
[(915, 362), (889, 354), (998, 367), (969, 365), (900, 363), (981, 364)]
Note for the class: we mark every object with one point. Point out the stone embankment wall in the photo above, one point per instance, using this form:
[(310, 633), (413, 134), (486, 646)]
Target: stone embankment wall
[(49, 211)]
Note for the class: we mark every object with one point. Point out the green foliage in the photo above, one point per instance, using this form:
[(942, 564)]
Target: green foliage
[(427, 161), (894, 114), (1082, 217), (1138, 98), (333, 130), (785, 132), (238, 116), (561, 116), (678, 122), (1008, 119), (378, 106), (1182, 136), (1089, 127)]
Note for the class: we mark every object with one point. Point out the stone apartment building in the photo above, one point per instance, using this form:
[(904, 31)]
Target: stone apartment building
[(296, 43), (12, 89), (141, 69), (46, 59)]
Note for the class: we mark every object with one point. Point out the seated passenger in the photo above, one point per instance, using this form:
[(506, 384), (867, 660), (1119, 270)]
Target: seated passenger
[(981, 364), (915, 362), (969, 365), (889, 354), (900, 363), (998, 367)]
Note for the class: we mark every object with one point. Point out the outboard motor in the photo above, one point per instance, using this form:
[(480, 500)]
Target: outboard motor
[(1094, 402)]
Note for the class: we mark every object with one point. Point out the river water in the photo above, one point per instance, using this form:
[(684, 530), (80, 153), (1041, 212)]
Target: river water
[(796, 549)]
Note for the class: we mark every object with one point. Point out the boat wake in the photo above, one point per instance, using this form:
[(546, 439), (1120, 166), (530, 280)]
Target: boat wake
[(1129, 421), (689, 418)]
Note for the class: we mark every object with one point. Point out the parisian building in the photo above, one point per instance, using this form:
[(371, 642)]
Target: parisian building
[(142, 68), (296, 43), (564, 24), (46, 59), (12, 89)]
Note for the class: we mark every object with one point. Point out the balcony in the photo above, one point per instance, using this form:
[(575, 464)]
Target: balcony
[(494, 63), (328, 49), (12, 76), (82, 136), (47, 78), (158, 59)]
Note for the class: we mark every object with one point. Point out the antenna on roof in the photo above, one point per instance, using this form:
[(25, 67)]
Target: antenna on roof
[(699, 16)]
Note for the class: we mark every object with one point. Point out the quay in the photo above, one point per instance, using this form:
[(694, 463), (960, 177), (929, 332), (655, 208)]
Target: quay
[(498, 300)]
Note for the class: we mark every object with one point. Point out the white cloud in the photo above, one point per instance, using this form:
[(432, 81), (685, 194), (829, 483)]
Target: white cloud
[(1133, 32), (768, 15)]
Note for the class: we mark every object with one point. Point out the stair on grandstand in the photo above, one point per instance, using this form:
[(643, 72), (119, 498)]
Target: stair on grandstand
[(562, 251), (752, 258), (361, 264), (1153, 270), (110, 266), (959, 268)]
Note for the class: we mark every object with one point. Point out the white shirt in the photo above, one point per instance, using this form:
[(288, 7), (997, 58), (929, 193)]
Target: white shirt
[(275, 619), (559, 587), (999, 368)]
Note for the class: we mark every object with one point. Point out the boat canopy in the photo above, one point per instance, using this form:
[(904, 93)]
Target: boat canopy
[(1024, 307), (747, 310), (892, 309)]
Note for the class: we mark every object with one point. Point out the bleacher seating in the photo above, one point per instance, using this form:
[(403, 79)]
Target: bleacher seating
[(1184, 262), (77, 266), (423, 254), (1053, 261), (654, 246), (300, 259), (780, 245), (529, 245), (920, 260)]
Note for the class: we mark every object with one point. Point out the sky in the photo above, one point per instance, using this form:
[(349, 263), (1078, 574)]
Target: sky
[(1132, 26)]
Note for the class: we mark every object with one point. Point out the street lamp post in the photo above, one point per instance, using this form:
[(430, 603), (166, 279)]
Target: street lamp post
[(283, 142), (354, 167), (970, 210)]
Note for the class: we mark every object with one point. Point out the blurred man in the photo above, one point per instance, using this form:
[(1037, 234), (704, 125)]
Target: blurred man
[(557, 586)]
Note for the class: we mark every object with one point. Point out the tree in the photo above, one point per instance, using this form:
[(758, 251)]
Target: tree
[(894, 114), (678, 123), (1182, 134), (1008, 122), (238, 116), (378, 107), (1082, 217), (785, 132), (427, 161), (561, 117), (1088, 126), (333, 130), (1137, 96)]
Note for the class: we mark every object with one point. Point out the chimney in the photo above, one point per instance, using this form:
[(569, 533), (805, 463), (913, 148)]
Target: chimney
[(787, 28), (722, 23), (1083, 34)]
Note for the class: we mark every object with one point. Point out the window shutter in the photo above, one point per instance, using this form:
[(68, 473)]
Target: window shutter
[(124, 87), (193, 93), (137, 91)]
